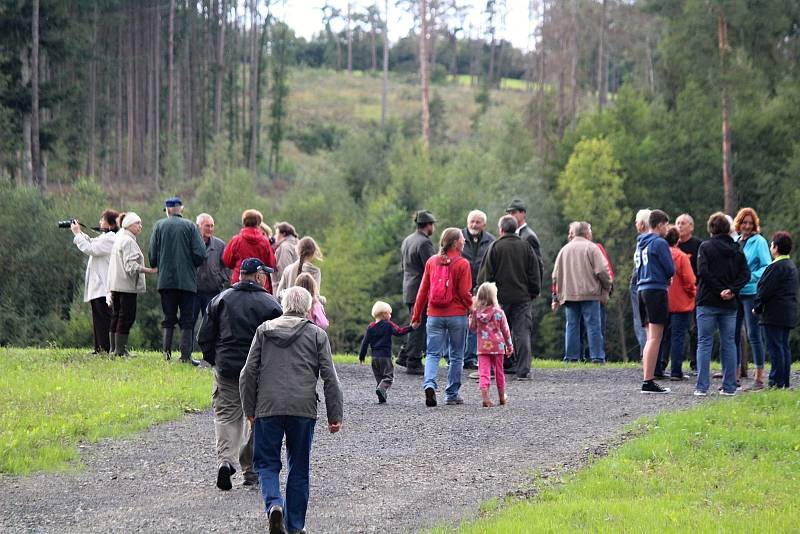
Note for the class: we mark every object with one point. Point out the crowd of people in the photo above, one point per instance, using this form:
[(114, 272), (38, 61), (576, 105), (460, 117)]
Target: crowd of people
[(470, 302)]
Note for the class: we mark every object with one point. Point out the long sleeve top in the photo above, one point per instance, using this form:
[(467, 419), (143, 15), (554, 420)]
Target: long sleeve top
[(379, 337)]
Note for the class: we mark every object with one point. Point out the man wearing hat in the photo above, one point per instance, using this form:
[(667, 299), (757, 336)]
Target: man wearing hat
[(225, 336), (415, 251), (177, 249)]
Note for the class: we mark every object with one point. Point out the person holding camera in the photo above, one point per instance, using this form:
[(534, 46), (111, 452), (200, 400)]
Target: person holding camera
[(98, 249), (126, 272)]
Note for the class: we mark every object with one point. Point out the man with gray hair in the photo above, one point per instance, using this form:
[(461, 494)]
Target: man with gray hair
[(581, 282), (689, 245), (476, 243), (212, 274), (512, 264), (642, 227)]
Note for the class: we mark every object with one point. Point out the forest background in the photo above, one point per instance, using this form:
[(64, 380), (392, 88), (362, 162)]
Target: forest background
[(685, 105)]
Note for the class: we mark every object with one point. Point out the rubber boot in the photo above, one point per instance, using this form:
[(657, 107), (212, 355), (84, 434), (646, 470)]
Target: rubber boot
[(166, 343), (487, 402), (121, 345), (112, 343), (503, 398), (186, 347)]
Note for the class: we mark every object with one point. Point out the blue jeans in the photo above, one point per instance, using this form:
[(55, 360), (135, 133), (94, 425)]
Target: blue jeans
[(780, 355), (446, 334), (584, 336), (267, 439), (709, 319), (471, 352), (679, 327), (638, 329), (754, 333), (589, 311)]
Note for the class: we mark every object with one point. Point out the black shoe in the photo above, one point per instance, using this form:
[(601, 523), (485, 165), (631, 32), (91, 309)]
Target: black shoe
[(401, 363), (430, 397), (470, 366), (415, 370), (190, 360), (224, 477), (678, 378), (659, 376), (650, 386), (381, 393), (455, 401), (276, 520), (250, 482)]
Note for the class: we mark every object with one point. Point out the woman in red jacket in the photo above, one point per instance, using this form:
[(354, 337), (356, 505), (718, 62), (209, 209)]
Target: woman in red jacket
[(250, 242), (681, 295), (446, 292)]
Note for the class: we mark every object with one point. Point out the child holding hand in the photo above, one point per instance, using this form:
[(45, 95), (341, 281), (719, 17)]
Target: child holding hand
[(379, 337), (489, 322)]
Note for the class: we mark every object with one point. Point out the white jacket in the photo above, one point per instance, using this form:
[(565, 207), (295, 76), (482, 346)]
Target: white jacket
[(99, 250), (125, 261)]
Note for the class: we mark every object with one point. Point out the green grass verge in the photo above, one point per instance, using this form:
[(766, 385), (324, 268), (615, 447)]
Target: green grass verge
[(732, 465)]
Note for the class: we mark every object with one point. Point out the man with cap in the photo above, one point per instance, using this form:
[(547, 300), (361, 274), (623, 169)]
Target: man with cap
[(225, 336), (415, 251), (177, 249)]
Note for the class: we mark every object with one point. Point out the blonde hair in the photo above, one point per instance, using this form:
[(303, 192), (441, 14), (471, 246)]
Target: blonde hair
[(486, 295), (265, 229), (307, 282), (380, 308)]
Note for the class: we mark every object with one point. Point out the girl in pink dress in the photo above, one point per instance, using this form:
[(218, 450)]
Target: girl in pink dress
[(489, 322)]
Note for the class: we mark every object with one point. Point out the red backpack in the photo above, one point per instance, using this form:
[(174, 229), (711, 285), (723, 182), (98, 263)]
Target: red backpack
[(441, 292)]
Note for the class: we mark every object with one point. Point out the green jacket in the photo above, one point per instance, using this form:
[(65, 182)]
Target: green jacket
[(177, 249)]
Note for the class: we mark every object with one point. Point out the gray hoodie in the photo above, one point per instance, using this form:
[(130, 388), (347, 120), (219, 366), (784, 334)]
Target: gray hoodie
[(288, 355)]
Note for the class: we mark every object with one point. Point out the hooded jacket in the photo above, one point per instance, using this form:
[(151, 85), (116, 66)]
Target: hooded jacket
[(229, 326), (250, 242), (720, 265), (491, 327), (756, 252), (683, 288), (288, 355), (653, 262)]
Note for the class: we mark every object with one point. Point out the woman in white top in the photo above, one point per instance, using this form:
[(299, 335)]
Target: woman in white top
[(307, 250), (95, 282)]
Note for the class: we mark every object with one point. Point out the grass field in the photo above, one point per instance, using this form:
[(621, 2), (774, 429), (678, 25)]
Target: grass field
[(732, 465)]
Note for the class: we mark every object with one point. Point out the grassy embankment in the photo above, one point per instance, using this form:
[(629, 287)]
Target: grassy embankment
[(732, 465)]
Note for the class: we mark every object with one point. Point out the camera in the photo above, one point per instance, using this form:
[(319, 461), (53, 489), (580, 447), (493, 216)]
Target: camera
[(66, 223)]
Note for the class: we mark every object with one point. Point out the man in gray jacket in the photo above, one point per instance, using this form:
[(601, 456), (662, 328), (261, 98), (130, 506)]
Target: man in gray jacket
[(278, 386), (212, 274), (415, 251)]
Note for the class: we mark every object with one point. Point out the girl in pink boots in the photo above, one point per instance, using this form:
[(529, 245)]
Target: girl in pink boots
[(489, 322)]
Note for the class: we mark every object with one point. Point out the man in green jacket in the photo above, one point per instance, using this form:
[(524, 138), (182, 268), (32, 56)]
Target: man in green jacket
[(177, 249)]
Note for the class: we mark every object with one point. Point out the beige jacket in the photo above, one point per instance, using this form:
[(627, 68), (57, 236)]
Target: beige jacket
[(290, 275), (125, 262), (285, 255), (581, 273)]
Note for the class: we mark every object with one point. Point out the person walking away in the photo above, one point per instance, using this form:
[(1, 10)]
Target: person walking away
[(476, 243), (445, 293), (278, 386), (126, 270), (680, 296), (95, 285), (285, 249), (722, 273), (225, 336), (307, 251), (776, 307), (250, 242), (317, 313), (581, 281), (415, 251), (757, 253), (379, 338), (490, 325), (654, 266), (212, 275)]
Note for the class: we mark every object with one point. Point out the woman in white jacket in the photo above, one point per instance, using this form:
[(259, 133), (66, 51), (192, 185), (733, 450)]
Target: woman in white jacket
[(126, 272), (96, 280)]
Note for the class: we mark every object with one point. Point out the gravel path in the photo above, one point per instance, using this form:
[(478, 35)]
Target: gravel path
[(398, 467)]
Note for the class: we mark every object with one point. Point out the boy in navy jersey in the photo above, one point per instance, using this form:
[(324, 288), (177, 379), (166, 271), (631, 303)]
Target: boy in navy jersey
[(379, 337)]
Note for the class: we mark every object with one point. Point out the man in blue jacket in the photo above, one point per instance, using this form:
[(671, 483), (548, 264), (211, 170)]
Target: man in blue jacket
[(654, 266)]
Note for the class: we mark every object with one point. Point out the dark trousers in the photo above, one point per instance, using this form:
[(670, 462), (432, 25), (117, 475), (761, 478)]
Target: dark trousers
[(664, 348), (519, 320), (201, 301), (383, 370), (171, 301), (101, 323), (123, 312), (678, 327), (779, 353), (414, 349), (268, 434)]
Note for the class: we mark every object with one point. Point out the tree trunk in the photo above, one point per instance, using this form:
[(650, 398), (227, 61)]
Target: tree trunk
[(423, 74), (170, 67), (373, 44), (385, 85), (573, 71), (92, 96), (251, 156), (220, 69), (130, 100), (349, 41), (36, 155), (27, 164), (602, 61), (157, 102), (541, 111), (727, 175)]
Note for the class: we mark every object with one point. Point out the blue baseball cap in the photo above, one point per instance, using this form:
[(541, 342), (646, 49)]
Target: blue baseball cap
[(254, 265), (171, 202)]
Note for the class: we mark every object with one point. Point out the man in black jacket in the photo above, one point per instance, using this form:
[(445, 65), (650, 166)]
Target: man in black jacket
[(225, 338), (512, 265)]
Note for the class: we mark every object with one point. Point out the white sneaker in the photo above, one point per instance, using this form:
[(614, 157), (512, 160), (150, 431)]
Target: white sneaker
[(698, 393), (726, 394)]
